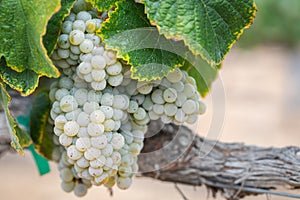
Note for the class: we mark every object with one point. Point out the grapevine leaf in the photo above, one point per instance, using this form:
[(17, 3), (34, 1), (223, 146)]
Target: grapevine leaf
[(208, 27), (103, 5), (147, 62), (39, 127), (23, 22), (156, 66), (54, 25), (24, 82), (19, 138)]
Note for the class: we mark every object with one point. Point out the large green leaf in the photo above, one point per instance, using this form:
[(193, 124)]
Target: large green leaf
[(25, 82), (208, 27), (54, 25), (19, 138), (103, 5), (39, 126), (22, 24), (122, 32), (156, 66)]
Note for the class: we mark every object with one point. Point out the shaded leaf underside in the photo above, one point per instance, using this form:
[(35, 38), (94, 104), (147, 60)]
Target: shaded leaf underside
[(39, 130), (19, 138)]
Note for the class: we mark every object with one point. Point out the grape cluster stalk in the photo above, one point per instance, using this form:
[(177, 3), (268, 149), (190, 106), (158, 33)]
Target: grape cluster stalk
[(99, 113)]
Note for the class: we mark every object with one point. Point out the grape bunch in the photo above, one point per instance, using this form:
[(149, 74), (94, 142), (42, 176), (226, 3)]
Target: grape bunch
[(100, 68), (173, 99), (99, 113)]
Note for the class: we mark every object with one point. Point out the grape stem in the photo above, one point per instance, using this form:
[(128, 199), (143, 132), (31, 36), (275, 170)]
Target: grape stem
[(233, 169)]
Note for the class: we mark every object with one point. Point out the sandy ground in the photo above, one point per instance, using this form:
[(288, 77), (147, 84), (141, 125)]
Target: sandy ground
[(262, 107)]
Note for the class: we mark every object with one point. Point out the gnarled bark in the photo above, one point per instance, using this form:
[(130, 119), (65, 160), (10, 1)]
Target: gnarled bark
[(175, 154), (219, 166)]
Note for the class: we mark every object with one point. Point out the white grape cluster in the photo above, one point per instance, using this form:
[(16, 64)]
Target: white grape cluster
[(78, 37), (70, 180), (79, 49), (173, 99), (100, 68), (176, 99), (100, 141), (99, 113)]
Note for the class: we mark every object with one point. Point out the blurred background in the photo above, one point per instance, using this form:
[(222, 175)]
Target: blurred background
[(261, 81)]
